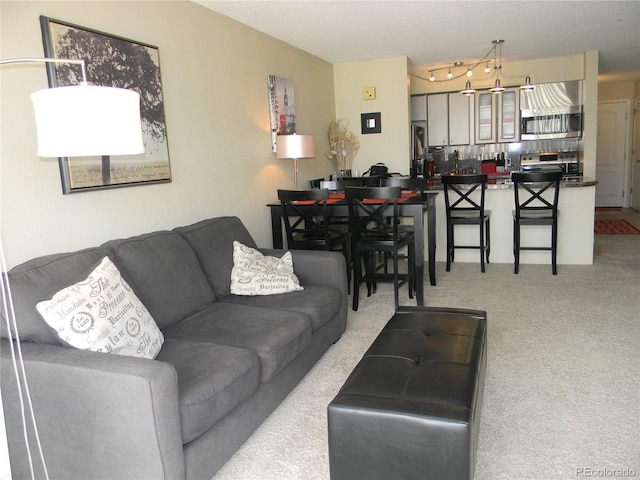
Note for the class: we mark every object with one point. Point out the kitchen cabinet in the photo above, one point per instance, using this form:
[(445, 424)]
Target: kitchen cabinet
[(460, 108), (438, 119), (418, 108), (448, 119), (498, 116)]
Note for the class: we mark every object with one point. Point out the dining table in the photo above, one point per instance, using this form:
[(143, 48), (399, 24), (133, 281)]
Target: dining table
[(413, 206)]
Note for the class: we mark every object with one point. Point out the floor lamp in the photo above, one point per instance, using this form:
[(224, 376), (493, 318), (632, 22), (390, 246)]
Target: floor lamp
[(295, 147), (72, 121)]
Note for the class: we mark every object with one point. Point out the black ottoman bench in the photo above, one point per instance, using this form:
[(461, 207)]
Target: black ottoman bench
[(411, 407)]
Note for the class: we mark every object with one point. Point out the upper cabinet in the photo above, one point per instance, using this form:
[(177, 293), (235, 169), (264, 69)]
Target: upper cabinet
[(460, 108), (418, 108), (437, 120), (449, 119), (498, 116)]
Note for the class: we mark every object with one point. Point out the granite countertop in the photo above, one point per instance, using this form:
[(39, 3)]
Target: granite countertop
[(503, 181)]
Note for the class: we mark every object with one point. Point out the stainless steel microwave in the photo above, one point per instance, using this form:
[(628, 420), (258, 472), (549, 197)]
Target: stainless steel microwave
[(555, 122)]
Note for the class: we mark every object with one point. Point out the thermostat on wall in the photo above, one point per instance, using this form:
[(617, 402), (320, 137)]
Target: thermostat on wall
[(369, 93)]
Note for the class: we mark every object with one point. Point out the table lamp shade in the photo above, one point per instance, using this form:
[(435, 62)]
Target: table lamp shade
[(82, 121), (295, 146)]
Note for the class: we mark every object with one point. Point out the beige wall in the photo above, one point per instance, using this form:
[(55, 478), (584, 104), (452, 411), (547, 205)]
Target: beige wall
[(616, 91), (214, 74), (389, 77)]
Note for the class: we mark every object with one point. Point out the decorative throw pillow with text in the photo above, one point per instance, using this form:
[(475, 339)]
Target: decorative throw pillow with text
[(101, 313), (256, 274)]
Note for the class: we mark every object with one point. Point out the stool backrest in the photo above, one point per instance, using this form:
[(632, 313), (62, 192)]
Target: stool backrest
[(457, 193), (529, 188)]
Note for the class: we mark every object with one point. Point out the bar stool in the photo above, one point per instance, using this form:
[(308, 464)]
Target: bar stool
[(463, 210), (533, 209)]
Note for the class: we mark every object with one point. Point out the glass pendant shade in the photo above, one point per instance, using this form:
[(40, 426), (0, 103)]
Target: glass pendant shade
[(497, 88), (82, 121), (528, 86), (468, 90)]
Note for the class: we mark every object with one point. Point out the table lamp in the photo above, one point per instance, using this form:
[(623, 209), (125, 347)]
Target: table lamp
[(295, 147)]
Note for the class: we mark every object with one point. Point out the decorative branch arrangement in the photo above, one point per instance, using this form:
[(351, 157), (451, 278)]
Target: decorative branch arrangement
[(343, 143)]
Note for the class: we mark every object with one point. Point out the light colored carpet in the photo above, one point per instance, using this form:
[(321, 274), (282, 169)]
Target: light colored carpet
[(562, 393)]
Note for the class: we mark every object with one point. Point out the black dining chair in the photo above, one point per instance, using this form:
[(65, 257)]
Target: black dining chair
[(532, 208), (409, 185), (372, 233), (307, 225), (413, 184), (315, 182), (462, 209)]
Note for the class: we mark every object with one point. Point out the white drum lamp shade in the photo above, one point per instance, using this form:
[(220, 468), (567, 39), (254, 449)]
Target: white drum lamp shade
[(83, 121), (295, 146)]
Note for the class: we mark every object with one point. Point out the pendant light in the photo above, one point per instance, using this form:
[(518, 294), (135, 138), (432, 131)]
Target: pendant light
[(528, 86), (497, 65), (468, 91), (497, 88)]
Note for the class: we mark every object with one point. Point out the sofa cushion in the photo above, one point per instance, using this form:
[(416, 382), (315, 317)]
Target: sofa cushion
[(212, 380), (276, 336), (320, 304), (102, 314), (256, 274), (212, 241), (165, 273), (40, 278)]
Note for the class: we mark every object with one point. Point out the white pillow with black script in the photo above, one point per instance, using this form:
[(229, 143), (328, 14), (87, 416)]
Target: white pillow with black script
[(256, 274), (102, 314)]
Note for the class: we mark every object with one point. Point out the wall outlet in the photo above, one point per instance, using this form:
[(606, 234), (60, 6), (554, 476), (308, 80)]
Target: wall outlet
[(369, 93)]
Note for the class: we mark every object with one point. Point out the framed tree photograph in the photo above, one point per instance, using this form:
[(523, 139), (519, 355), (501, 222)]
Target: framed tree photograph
[(282, 108), (113, 62)]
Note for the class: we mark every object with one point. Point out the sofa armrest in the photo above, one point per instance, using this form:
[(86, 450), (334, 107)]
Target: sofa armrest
[(98, 415)]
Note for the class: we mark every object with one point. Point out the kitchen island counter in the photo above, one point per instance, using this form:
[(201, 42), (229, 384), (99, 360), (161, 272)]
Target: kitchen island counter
[(498, 182), (575, 225)]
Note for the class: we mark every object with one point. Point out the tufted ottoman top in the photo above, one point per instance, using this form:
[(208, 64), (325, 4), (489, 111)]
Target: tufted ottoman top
[(431, 363)]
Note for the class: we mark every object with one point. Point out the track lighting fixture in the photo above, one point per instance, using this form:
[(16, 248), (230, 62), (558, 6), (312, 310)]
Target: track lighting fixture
[(458, 70)]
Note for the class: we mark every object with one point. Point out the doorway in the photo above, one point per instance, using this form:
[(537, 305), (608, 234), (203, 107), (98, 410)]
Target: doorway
[(611, 154), (635, 169)]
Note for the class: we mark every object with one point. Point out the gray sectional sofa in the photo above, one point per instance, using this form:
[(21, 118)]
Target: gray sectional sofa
[(226, 363)]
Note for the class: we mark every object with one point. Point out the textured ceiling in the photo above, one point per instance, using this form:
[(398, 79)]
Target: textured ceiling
[(438, 33)]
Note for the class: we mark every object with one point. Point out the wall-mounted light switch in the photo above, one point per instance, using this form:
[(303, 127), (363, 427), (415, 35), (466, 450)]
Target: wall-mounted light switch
[(369, 93)]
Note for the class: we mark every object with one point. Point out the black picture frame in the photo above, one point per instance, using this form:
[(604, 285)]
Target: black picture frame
[(370, 123), (138, 68)]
